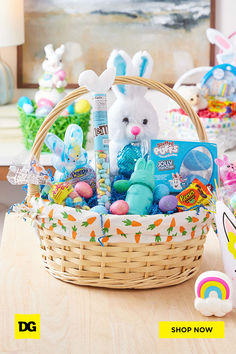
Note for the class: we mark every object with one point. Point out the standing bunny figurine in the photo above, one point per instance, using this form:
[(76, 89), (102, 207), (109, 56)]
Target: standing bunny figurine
[(226, 45), (131, 118), (139, 188), (68, 155), (52, 83), (227, 172)]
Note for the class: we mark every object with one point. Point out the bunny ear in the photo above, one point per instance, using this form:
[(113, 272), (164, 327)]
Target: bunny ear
[(150, 167), (225, 159), (219, 162), (73, 136), (48, 49), (140, 164), (229, 226), (143, 64), (122, 62), (56, 145), (216, 37), (60, 50)]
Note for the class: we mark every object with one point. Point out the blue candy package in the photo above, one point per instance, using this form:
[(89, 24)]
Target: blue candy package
[(177, 163)]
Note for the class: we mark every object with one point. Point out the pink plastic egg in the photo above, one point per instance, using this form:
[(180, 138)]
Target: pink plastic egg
[(73, 195), (44, 102), (84, 189), (120, 207), (65, 113)]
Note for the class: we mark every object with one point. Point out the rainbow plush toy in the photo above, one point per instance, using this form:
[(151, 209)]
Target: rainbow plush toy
[(213, 292)]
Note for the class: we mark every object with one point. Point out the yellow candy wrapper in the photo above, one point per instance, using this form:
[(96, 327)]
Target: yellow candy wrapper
[(60, 191)]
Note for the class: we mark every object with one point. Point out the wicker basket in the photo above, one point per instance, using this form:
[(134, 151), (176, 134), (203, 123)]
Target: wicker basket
[(118, 265), (219, 130)]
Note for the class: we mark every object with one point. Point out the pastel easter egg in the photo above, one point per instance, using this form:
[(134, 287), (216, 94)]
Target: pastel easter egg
[(100, 209), (160, 191), (168, 203), (28, 108), (82, 106), (71, 109), (65, 113), (84, 189), (104, 198), (196, 160), (120, 207), (105, 165), (24, 99), (61, 74), (43, 111), (73, 195), (44, 102)]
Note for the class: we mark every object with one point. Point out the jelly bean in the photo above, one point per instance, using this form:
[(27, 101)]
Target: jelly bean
[(102, 155), (99, 166), (108, 188)]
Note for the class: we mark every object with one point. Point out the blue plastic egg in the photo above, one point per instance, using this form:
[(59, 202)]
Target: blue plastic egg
[(23, 100), (28, 108), (71, 109), (196, 160), (43, 111), (160, 191), (100, 209)]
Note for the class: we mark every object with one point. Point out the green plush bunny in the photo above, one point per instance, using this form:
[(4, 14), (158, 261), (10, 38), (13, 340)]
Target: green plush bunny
[(139, 187)]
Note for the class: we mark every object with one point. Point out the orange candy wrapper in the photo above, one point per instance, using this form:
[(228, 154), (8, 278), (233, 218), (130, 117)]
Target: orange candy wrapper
[(195, 194)]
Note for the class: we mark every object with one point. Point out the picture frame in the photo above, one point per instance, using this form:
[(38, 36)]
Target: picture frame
[(28, 59)]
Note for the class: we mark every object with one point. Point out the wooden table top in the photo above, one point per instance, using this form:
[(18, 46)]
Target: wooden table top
[(81, 320)]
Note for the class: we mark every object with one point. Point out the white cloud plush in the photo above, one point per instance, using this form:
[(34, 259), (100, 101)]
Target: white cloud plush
[(213, 306)]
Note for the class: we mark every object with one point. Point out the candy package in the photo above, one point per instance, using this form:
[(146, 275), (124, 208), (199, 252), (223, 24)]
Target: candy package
[(195, 194), (178, 163)]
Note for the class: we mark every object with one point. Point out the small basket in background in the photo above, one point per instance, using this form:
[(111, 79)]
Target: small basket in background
[(30, 125)]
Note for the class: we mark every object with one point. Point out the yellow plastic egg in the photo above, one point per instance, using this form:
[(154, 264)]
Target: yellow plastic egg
[(82, 106)]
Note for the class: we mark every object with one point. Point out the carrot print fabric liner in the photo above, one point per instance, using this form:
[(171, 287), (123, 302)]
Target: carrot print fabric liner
[(90, 226)]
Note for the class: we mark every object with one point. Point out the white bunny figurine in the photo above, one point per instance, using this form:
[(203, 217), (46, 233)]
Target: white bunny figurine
[(226, 45), (131, 118), (52, 83)]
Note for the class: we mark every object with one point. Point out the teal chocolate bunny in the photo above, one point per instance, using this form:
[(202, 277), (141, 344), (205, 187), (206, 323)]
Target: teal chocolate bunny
[(139, 187)]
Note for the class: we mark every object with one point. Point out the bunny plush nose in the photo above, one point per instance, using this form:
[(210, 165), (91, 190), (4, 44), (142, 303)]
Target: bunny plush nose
[(135, 130)]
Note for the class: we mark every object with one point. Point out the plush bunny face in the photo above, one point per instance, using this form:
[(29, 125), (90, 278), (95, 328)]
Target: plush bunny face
[(227, 170), (131, 118), (129, 124), (53, 60)]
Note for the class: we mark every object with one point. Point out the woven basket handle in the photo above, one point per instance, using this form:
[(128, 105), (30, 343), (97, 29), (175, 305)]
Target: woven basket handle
[(133, 80)]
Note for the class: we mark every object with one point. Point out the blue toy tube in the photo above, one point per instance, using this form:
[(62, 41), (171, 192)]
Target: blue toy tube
[(101, 147)]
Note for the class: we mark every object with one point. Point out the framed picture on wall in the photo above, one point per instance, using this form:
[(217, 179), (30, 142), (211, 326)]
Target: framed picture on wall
[(174, 32)]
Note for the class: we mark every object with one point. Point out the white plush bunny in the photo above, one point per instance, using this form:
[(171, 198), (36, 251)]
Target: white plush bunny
[(52, 83), (131, 118), (226, 45)]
